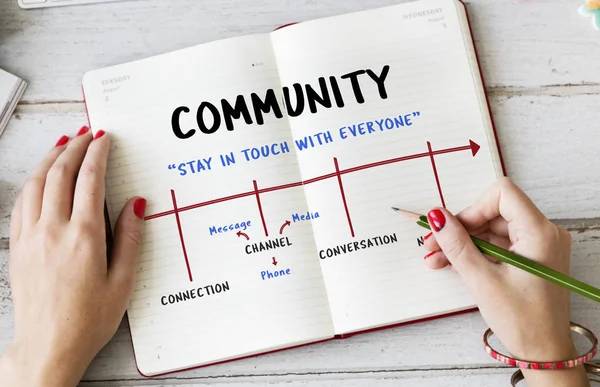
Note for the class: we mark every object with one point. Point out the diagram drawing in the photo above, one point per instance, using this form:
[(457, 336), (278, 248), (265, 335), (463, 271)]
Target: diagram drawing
[(337, 174)]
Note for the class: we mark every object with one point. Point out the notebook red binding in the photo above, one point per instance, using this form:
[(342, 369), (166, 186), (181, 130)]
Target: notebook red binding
[(345, 336)]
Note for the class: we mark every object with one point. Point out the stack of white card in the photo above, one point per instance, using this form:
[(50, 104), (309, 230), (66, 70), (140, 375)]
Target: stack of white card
[(11, 90)]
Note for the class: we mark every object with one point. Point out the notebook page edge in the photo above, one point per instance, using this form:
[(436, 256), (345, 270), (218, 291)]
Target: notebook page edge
[(479, 82)]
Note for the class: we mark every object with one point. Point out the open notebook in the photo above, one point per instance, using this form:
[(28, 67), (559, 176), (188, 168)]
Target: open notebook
[(270, 163)]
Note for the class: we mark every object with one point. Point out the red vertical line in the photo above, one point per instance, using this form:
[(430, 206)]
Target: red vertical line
[(262, 217), (187, 263), (339, 177), (437, 179)]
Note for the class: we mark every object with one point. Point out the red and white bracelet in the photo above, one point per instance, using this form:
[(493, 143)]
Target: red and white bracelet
[(557, 365)]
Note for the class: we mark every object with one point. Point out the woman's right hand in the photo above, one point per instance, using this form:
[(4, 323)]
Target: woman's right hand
[(530, 315)]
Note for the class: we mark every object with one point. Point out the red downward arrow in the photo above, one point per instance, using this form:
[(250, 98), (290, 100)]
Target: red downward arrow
[(274, 262), (474, 147)]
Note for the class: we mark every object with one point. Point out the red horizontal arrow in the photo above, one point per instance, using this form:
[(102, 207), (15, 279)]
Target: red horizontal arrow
[(274, 262), (474, 147), (239, 234), (287, 223)]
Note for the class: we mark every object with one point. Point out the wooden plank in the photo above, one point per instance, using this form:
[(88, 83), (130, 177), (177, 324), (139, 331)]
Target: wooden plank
[(548, 152), (6, 310), (453, 342), (23, 144), (549, 144), (521, 44), (449, 378), (579, 225)]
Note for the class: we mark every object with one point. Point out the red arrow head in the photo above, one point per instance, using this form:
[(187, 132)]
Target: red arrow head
[(474, 147), (274, 262), (239, 233), (288, 222)]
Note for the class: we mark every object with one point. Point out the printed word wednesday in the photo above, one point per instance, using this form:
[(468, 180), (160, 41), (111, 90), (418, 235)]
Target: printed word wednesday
[(208, 117)]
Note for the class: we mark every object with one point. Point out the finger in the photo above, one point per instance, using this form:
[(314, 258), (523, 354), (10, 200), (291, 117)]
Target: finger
[(60, 183), (126, 248), (495, 239), (88, 201), (33, 190), (503, 199), (430, 243), (499, 226), (15, 220), (436, 260), (458, 247), (496, 226)]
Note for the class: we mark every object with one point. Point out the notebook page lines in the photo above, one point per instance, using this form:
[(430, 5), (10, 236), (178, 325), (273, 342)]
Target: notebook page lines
[(420, 144), (203, 266)]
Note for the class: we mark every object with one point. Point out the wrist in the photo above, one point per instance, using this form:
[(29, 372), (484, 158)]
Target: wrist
[(544, 362), (20, 366), (558, 347), (561, 348), (571, 377)]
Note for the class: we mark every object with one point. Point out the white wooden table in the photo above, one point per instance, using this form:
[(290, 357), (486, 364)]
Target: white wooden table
[(541, 64)]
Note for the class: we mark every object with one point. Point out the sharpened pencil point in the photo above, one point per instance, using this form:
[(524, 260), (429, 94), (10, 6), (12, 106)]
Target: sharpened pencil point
[(408, 214)]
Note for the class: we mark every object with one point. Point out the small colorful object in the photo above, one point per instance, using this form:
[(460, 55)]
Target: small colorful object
[(554, 365), (591, 8)]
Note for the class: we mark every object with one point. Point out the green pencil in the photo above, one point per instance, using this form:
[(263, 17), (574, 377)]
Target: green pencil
[(518, 261)]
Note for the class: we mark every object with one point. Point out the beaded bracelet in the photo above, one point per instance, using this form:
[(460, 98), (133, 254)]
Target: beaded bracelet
[(545, 365), (590, 368)]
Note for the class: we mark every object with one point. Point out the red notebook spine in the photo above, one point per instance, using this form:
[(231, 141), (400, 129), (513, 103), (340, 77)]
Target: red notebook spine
[(440, 316), (285, 25)]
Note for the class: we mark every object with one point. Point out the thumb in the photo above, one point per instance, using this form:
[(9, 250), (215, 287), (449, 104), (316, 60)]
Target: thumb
[(458, 247), (127, 244)]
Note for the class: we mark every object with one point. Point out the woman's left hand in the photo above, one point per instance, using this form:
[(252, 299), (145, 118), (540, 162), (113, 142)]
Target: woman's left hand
[(68, 297)]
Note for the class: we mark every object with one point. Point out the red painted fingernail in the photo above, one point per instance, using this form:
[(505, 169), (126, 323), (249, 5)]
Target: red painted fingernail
[(437, 220), (429, 255), (427, 236), (62, 141), (139, 207), (99, 134), (83, 130)]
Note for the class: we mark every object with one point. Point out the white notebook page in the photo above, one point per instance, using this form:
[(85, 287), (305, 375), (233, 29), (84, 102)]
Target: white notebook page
[(432, 83), (134, 103)]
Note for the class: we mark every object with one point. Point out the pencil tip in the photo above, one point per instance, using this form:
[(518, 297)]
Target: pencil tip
[(408, 214)]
